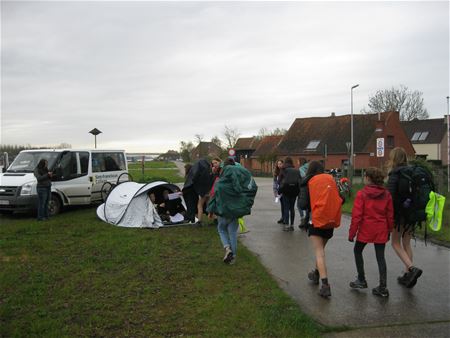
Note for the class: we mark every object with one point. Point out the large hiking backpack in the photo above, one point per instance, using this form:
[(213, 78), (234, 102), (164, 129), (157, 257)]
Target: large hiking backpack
[(290, 183), (325, 201), (414, 187), (234, 193)]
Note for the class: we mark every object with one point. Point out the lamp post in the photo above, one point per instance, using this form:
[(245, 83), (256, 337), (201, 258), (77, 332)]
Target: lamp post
[(95, 132), (448, 148), (351, 131)]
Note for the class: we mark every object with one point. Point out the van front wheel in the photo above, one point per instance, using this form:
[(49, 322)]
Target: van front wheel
[(54, 205)]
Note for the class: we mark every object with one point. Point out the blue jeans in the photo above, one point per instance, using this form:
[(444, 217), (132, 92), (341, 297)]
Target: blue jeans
[(289, 209), (43, 194), (228, 228)]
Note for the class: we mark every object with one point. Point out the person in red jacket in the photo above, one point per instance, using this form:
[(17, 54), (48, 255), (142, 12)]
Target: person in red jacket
[(372, 222)]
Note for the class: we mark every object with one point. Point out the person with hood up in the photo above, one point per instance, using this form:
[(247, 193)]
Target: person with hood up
[(372, 222)]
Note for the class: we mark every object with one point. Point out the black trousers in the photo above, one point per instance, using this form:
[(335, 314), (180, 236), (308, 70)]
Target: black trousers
[(379, 252), (191, 199)]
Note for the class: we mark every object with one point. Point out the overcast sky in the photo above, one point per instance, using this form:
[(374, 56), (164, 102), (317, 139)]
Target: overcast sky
[(150, 74)]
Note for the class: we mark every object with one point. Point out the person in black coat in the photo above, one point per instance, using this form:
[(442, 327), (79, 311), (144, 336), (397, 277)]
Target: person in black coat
[(403, 232), (43, 187)]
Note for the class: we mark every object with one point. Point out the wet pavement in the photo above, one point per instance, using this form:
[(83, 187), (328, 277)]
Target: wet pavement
[(288, 256)]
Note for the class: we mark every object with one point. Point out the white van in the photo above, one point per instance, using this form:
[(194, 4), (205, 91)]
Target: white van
[(78, 177)]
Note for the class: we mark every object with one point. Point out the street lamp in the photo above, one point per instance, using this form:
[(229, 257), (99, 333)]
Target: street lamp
[(448, 148), (95, 132), (351, 130)]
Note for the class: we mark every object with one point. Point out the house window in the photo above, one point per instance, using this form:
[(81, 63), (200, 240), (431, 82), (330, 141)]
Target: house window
[(423, 136), (420, 136), (390, 142), (312, 145)]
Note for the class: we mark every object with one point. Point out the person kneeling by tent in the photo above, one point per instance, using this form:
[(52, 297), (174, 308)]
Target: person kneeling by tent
[(234, 195)]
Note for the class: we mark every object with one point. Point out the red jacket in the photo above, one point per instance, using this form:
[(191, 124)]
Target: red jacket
[(372, 215)]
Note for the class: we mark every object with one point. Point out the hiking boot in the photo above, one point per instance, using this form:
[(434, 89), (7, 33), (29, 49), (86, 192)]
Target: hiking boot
[(314, 277), (402, 279), (380, 291), (288, 227), (325, 291), (228, 255), (412, 276), (358, 284)]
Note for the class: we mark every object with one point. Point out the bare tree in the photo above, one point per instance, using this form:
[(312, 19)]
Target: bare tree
[(198, 138), (408, 103), (216, 140), (231, 135), (185, 150)]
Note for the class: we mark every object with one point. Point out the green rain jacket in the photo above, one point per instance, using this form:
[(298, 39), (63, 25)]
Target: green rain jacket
[(234, 193)]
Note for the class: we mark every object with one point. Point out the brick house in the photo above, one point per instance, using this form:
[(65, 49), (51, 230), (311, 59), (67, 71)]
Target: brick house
[(245, 147), (429, 138), (205, 149), (325, 139), (265, 155)]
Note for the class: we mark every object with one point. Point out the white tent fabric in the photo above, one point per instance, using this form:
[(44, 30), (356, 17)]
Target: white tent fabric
[(128, 205)]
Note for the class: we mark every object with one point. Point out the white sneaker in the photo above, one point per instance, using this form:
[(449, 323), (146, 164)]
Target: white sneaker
[(228, 255)]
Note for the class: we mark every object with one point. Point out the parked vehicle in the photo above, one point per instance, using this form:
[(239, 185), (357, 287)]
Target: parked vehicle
[(78, 177)]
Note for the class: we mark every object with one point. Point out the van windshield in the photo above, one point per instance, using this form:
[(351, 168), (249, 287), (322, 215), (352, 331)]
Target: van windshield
[(26, 162)]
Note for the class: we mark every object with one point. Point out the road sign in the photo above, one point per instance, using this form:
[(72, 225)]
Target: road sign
[(380, 147), (231, 152)]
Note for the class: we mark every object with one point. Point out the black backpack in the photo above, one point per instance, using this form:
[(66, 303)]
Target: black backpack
[(290, 183), (414, 187)]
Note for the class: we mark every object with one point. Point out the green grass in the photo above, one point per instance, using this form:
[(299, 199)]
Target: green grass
[(153, 165), (443, 235), (77, 276), (155, 171)]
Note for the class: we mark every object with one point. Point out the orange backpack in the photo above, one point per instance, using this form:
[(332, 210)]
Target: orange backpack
[(325, 202)]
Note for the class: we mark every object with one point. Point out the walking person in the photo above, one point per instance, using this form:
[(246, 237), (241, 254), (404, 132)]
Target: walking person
[(404, 229), (276, 187), (289, 188), (189, 195), (233, 198), (44, 186), (319, 195), (372, 222), (304, 214)]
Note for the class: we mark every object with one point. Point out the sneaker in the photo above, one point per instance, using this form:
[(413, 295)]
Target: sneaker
[(412, 276), (288, 227), (380, 291), (314, 277), (232, 261), (325, 291), (228, 255), (402, 279), (358, 284), (280, 221), (198, 224)]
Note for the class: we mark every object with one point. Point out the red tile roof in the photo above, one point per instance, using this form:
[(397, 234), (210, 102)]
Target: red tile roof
[(267, 145), (333, 131)]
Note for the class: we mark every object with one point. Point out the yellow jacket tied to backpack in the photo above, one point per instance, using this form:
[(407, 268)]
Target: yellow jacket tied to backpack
[(435, 210)]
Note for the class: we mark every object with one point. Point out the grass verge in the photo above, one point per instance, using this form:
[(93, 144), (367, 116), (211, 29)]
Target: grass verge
[(155, 171), (77, 276)]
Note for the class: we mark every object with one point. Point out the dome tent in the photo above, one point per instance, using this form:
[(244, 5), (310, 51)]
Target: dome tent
[(129, 205)]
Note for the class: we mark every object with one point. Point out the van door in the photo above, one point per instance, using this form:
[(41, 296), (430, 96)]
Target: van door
[(106, 167), (71, 177)]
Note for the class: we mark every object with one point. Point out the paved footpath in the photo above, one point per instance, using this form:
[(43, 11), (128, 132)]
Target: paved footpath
[(288, 257)]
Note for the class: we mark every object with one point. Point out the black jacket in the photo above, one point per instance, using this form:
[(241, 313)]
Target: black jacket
[(43, 180), (303, 197)]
